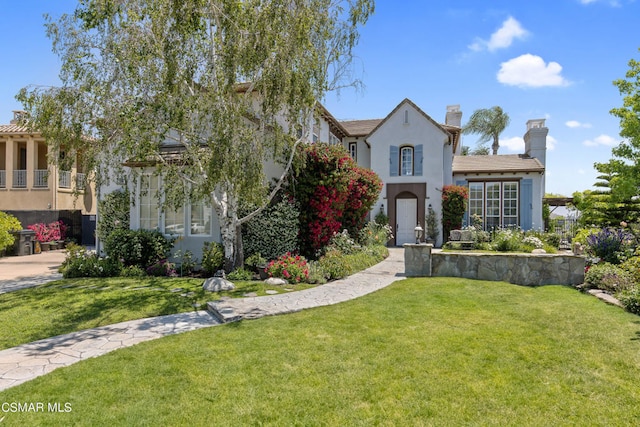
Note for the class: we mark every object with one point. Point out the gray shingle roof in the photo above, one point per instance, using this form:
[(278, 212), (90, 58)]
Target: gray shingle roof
[(360, 127), (499, 163)]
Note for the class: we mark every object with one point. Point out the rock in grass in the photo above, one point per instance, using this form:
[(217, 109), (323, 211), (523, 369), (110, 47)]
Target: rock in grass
[(217, 284), (274, 281)]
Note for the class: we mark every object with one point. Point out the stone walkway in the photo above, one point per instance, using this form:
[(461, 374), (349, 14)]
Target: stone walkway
[(28, 361)]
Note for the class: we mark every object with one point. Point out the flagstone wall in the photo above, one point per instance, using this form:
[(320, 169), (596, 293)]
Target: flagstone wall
[(520, 269)]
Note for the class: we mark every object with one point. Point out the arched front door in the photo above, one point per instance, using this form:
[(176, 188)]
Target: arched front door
[(406, 220)]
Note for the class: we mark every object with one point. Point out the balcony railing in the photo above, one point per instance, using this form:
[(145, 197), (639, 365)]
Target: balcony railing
[(80, 181), (3, 179), (40, 178), (19, 179), (64, 180)]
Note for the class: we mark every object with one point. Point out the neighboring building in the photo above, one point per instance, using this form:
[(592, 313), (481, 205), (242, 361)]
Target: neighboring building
[(35, 191), (415, 156)]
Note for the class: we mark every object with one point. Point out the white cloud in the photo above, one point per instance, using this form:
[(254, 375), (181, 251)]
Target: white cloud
[(531, 71), (605, 140), (515, 144), (577, 124), (612, 3), (502, 38)]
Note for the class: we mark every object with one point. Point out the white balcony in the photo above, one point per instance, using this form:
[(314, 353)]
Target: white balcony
[(80, 177), (40, 178), (64, 179), (19, 179)]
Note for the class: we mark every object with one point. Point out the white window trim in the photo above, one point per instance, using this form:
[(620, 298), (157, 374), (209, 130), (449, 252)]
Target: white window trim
[(407, 148)]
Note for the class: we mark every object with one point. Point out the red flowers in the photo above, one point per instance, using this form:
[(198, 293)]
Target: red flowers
[(292, 268), (333, 193), (54, 231)]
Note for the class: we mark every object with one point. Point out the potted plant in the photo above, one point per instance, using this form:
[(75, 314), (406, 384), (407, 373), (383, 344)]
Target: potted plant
[(431, 225)]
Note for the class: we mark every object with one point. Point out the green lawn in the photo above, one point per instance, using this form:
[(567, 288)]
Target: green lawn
[(71, 305), (436, 351)]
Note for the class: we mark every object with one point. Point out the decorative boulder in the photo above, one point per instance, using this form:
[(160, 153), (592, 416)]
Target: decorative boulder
[(273, 281), (217, 284)]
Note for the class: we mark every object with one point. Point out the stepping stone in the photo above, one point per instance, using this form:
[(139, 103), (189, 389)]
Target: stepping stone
[(271, 292)]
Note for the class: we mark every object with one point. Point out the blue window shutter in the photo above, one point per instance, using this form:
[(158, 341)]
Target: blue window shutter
[(417, 160), (526, 204), (394, 160)]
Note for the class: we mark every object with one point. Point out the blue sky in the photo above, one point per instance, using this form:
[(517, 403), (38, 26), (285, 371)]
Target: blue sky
[(545, 59)]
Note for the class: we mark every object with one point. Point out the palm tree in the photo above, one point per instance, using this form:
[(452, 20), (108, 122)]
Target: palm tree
[(489, 123)]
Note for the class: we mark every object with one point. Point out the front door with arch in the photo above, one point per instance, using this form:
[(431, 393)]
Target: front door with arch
[(406, 220)]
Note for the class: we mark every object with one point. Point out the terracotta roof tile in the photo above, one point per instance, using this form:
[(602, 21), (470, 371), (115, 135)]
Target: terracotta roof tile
[(12, 128), (499, 163)]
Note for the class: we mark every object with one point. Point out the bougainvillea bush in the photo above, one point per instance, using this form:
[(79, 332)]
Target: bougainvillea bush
[(333, 194), (51, 232), (292, 268)]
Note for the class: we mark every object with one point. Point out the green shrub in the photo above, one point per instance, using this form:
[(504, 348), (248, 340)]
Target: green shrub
[(582, 234), (240, 274), (188, 262), (335, 265), (630, 299), (114, 213), (273, 232), (80, 263), (212, 257), (8, 223), (344, 243), (316, 275), (632, 266), (551, 239), (608, 277), (255, 262), (133, 271), (375, 233), (506, 240), (137, 247), (381, 218)]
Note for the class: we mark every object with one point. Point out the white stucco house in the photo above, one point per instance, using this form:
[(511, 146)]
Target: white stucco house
[(415, 156)]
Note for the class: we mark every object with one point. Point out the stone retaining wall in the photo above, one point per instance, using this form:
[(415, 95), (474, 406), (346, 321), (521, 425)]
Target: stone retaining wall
[(520, 269)]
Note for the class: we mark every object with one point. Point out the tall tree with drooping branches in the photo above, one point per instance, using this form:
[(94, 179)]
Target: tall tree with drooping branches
[(489, 123), (204, 91)]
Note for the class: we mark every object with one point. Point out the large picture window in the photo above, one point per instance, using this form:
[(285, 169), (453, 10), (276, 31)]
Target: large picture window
[(149, 209), (179, 221), (496, 202)]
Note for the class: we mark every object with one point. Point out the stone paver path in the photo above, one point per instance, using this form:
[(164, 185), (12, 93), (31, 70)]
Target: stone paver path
[(28, 361), (365, 282)]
